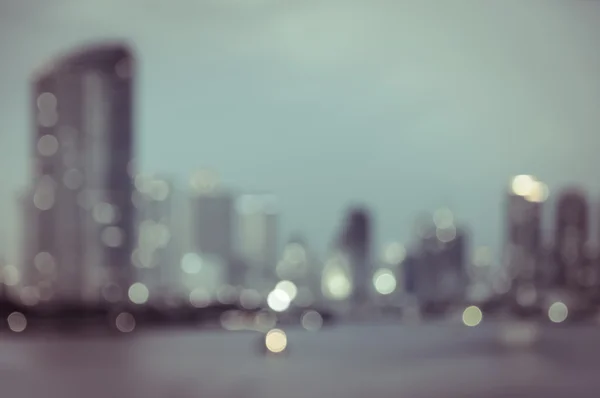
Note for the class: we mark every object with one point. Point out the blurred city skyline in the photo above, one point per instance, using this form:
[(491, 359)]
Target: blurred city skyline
[(405, 107)]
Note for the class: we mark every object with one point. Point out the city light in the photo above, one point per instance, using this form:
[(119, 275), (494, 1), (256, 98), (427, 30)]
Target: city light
[(10, 275), (538, 193), (289, 288), (384, 281), (17, 322), (204, 181), (112, 236), (138, 293), (558, 312), (530, 188), (125, 322), (394, 253), (447, 234), (276, 341), (47, 145), (336, 284), (311, 320), (191, 263), (200, 298), (443, 218), (44, 195), (472, 316), (104, 213), (522, 185), (278, 300)]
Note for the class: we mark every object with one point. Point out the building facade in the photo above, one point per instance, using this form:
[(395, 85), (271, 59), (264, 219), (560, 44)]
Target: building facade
[(82, 147), (257, 225)]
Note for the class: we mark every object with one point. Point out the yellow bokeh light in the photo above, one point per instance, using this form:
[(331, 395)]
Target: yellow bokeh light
[(276, 340), (523, 184), (472, 316), (538, 193), (558, 312)]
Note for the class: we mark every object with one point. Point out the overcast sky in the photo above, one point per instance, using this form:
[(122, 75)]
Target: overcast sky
[(402, 105)]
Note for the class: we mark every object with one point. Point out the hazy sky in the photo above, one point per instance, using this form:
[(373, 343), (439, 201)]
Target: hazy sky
[(403, 105)]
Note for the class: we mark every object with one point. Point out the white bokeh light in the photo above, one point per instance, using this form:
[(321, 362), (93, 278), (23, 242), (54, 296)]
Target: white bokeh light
[(138, 293), (384, 281), (278, 300)]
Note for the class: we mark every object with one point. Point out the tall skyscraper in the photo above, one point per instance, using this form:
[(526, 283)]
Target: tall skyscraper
[(524, 245), (213, 222), (355, 242), (82, 148), (258, 239), (571, 237)]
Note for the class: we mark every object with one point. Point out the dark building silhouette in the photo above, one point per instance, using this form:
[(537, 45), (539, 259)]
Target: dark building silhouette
[(523, 249), (571, 236), (436, 268), (355, 242), (82, 107), (213, 225)]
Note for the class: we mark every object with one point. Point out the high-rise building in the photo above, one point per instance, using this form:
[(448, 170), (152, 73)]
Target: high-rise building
[(355, 242), (82, 148), (155, 255), (523, 241), (299, 265), (436, 270), (213, 222), (258, 239), (571, 237)]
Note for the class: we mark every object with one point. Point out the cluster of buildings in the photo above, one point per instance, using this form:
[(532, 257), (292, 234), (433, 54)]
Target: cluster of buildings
[(97, 231)]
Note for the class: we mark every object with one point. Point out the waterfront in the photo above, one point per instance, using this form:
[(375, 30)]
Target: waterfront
[(421, 360)]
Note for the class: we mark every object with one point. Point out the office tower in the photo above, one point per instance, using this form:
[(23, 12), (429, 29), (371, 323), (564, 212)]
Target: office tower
[(436, 269), (258, 239), (523, 246), (355, 242), (212, 212), (154, 255), (298, 265), (336, 280), (571, 237), (389, 279), (82, 148)]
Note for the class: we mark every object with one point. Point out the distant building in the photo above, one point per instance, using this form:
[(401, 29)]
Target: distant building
[(213, 223), (299, 265), (523, 239), (355, 243), (571, 237), (258, 219), (155, 256), (82, 148), (436, 269)]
